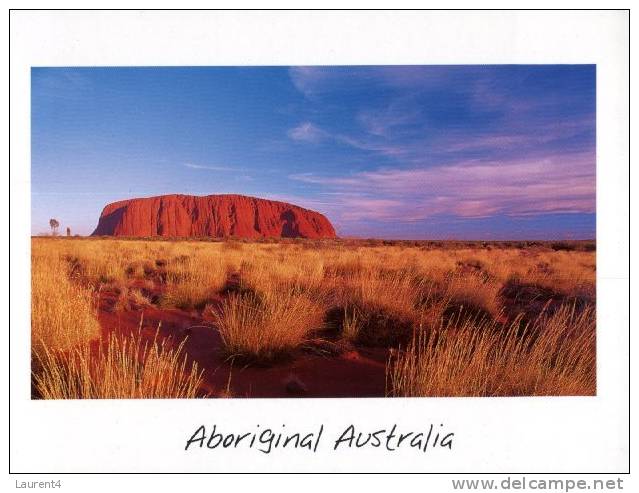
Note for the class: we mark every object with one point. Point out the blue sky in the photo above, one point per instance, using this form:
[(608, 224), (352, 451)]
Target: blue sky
[(441, 152)]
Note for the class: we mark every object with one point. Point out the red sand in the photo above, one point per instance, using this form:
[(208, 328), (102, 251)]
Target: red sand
[(212, 215), (356, 373)]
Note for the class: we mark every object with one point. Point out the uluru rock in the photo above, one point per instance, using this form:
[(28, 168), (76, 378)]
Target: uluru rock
[(211, 215)]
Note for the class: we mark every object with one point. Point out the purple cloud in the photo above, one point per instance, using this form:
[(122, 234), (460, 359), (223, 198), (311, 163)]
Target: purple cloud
[(471, 189)]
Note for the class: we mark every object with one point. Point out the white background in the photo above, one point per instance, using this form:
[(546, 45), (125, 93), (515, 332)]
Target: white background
[(492, 435)]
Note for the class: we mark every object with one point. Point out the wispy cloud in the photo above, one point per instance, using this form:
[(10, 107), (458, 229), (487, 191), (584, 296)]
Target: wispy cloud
[(450, 109), (400, 114), (305, 79), (460, 143), (313, 81), (311, 133), (471, 189), (307, 132), (208, 167)]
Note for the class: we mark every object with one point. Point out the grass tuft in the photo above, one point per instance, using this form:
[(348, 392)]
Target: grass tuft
[(62, 312), (128, 368), (554, 356), (265, 327)]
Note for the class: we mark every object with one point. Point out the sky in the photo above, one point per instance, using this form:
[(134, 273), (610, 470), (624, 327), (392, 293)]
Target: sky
[(401, 152)]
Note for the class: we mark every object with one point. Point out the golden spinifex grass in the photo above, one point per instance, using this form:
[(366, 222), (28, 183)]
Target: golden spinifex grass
[(191, 281), (266, 325), (268, 298), (62, 312), (192, 272), (554, 355), (475, 291), (127, 368), (352, 324)]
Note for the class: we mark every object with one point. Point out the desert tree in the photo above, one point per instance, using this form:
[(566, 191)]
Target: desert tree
[(54, 226)]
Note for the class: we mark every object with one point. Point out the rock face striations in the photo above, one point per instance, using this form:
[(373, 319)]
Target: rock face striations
[(211, 215)]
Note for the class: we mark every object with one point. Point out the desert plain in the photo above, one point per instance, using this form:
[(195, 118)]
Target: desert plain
[(249, 318)]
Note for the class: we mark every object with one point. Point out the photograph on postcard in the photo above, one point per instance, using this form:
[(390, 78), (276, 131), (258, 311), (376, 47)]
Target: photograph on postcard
[(313, 231)]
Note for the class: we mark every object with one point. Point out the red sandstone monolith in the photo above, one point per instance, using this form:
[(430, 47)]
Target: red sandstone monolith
[(212, 215)]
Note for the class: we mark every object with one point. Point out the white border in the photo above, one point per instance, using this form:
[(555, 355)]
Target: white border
[(493, 435)]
